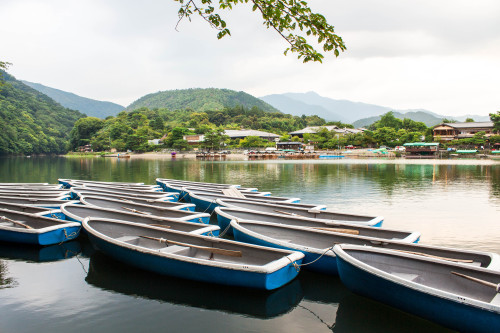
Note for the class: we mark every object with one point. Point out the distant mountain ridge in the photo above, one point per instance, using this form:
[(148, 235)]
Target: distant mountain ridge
[(199, 99), (32, 122), (356, 113), (297, 108), (422, 116), (90, 107)]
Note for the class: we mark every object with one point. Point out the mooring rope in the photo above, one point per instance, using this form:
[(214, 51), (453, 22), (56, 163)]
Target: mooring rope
[(297, 266)]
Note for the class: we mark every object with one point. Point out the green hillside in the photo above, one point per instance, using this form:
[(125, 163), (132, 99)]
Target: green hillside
[(90, 107), (31, 122), (200, 100)]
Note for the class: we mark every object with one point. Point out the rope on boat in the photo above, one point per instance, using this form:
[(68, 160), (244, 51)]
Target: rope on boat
[(182, 198), (221, 234), (211, 202), (72, 235), (297, 266)]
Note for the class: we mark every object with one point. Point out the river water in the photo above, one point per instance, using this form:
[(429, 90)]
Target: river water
[(73, 288)]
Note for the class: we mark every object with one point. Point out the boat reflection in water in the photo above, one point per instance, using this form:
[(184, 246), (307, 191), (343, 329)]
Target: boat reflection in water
[(360, 314), (108, 274), (29, 253), (335, 308)]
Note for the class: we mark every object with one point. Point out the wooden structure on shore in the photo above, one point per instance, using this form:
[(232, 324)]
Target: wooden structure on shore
[(211, 156), (290, 156), (421, 149)]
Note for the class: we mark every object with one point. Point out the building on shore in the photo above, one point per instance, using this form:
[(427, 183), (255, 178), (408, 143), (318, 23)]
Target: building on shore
[(289, 145), (453, 131), (421, 149), (233, 134), (241, 134)]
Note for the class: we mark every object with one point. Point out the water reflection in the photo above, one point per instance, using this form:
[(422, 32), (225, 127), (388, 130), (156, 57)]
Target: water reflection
[(28, 253), (112, 275), (5, 282), (279, 176), (359, 314)]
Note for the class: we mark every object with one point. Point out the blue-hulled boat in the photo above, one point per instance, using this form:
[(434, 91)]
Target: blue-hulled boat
[(36, 202), (173, 197), (131, 187), (226, 214), (235, 192), (32, 187), (127, 206), (25, 184), (167, 201), (122, 191), (435, 289), (34, 195), (229, 209), (47, 212), (67, 182), (78, 213), (316, 244), (193, 257), (206, 201), (34, 253), (29, 228), (177, 183)]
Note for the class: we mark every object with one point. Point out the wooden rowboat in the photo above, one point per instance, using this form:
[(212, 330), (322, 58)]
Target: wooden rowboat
[(29, 228), (193, 257), (455, 295)]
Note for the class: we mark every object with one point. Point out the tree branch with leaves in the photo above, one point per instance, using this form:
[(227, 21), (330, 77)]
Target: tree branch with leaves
[(293, 20), (3, 66)]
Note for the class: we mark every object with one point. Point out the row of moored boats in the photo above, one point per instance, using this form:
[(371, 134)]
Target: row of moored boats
[(165, 228)]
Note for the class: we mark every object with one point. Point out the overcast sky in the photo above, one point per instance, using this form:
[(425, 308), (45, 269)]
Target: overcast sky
[(443, 56)]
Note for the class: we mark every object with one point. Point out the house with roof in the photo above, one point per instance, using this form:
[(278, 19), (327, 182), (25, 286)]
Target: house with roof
[(241, 134), (453, 131), (233, 134)]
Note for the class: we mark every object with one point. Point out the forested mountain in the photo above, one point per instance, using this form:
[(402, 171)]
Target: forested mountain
[(200, 100), (90, 107), (31, 122), (428, 119)]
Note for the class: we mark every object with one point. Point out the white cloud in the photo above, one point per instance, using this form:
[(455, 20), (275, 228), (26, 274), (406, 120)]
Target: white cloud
[(442, 56)]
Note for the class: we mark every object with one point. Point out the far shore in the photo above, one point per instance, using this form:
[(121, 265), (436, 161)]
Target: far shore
[(349, 158)]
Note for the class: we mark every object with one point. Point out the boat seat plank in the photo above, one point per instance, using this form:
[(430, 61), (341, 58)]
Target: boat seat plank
[(126, 239), (233, 192), (406, 276), (496, 300), (283, 240), (172, 249)]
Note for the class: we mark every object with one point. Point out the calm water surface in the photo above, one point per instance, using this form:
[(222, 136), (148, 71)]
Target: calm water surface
[(73, 288)]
